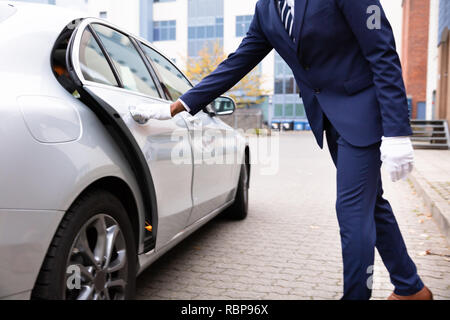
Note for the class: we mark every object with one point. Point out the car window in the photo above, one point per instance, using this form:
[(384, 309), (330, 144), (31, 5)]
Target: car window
[(129, 64), (174, 81), (93, 63)]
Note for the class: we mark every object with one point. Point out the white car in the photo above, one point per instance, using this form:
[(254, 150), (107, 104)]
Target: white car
[(91, 192)]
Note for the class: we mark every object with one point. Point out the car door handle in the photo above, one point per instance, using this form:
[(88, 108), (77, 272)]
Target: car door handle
[(138, 115), (193, 120)]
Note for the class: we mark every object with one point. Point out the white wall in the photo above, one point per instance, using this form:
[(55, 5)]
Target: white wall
[(394, 13), (432, 76), (177, 10), (79, 5), (233, 8), (178, 49), (125, 14)]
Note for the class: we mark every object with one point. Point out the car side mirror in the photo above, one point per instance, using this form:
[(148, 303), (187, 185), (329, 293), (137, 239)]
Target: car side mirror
[(223, 106)]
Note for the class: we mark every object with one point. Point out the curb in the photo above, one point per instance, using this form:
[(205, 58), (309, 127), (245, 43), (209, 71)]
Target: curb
[(437, 206)]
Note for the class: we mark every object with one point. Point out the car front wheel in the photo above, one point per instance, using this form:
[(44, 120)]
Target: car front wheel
[(92, 255)]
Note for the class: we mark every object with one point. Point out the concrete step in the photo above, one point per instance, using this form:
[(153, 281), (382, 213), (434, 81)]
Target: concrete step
[(414, 138), (436, 146), (431, 134), (414, 126)]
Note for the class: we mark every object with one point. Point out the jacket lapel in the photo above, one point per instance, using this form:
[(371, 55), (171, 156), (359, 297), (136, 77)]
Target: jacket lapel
[(300, 9), (278, 25)]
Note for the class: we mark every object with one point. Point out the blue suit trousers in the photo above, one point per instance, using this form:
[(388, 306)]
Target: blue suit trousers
[(367, 222)]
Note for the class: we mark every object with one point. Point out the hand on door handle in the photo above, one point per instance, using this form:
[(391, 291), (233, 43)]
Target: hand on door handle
[(144, 112)]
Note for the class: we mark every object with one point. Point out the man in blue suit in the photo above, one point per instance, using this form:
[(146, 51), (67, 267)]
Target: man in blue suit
[(343, 56)]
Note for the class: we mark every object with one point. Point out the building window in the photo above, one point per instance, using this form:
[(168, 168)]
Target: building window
[(289, 85), (278, 112), (205, 25), (164, 30), (279, 86), (242, 25), (287, 103), (156, 1), (289, 110), (300, 110), (213, 31), (103, 15)]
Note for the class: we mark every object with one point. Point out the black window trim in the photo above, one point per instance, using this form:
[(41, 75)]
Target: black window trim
[(150, 68), (105, 53), (111, 63), (142, 43), (166, 92)]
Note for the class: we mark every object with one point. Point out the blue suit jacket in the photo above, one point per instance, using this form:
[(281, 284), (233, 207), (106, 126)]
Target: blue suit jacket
[(344, 69)]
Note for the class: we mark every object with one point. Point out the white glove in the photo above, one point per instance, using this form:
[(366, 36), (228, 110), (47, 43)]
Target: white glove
[(397, 155), (144, 112)]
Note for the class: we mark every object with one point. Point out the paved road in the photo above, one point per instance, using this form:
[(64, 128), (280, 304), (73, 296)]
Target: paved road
[(289, 247)]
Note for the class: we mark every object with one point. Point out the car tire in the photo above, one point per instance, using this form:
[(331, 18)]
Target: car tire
[(92, 255), (239, 209)]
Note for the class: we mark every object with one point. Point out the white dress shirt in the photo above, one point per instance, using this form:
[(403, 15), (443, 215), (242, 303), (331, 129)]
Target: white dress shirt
[(291, 3)]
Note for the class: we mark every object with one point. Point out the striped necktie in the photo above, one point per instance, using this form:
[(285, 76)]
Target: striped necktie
[(286, 17)]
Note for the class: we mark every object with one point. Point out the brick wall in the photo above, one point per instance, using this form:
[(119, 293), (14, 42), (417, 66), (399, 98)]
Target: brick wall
[(415, 49)]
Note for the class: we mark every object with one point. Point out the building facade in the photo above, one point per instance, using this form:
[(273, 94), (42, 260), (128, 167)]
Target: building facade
[(204, 23), (433, 57), (443, 84), (414, 57), (181, 28)]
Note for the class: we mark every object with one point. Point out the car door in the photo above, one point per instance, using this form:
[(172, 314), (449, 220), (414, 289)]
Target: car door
[(112, 68), (214, 144), (215, 149)]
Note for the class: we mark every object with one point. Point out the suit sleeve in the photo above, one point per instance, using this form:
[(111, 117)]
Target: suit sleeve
[(253, 48), (378, 47)]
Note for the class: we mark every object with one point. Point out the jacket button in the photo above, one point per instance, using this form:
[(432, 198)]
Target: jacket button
[(316, 91), (307, 68)]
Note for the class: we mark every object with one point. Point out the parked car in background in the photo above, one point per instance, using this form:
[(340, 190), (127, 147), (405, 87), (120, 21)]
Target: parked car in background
[(90, 193)]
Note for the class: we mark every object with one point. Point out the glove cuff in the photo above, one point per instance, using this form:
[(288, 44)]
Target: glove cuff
[(396, 140)]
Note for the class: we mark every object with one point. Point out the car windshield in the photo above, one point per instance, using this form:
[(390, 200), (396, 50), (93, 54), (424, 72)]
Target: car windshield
[(6, 11)]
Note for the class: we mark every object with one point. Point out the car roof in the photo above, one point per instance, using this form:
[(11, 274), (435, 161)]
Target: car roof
[(41, 16), (6, 11), (32, 18), (30, 15)]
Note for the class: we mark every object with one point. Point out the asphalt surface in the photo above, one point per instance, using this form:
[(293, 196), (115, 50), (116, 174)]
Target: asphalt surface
[(289, 247)]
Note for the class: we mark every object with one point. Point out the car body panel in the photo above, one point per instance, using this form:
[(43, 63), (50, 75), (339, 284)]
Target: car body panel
[(24, 239), (157, 140), (50, 119), (6, 11), (49, 158), (214, 143), (42, 180)]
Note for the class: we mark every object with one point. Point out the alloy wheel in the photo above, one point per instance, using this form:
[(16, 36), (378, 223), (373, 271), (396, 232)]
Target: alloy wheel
[(97, 264)]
